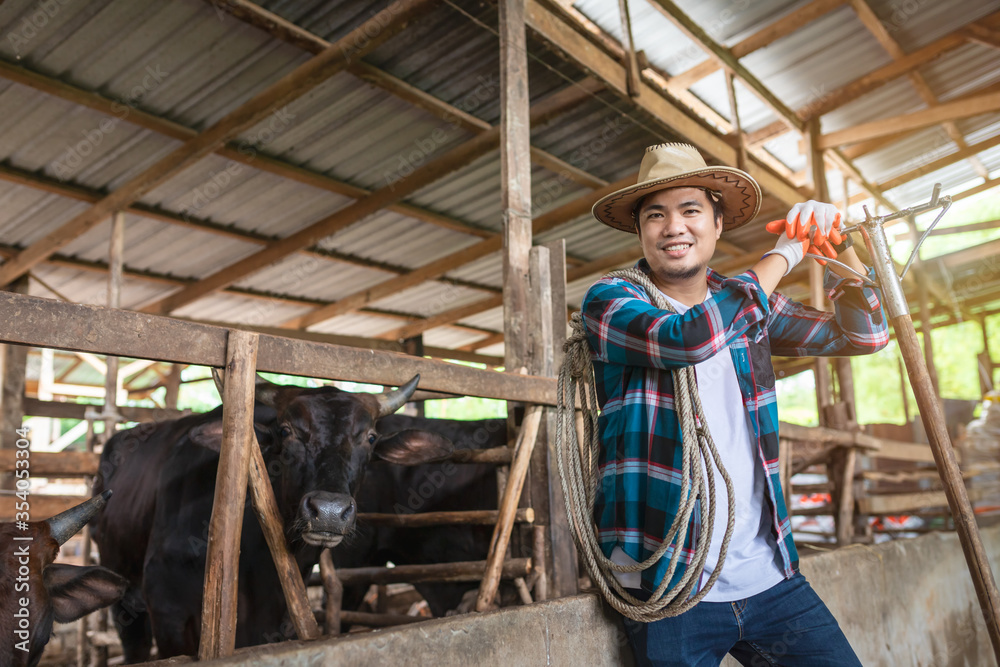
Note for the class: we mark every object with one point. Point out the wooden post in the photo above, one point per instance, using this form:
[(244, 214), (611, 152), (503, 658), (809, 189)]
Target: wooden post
[(562, 572), (15, 365), (985, 360), (218, 619), (269, 517), (415, 347), (926, 327), (508, 507), (173, 386), (741, 148), (817, 174), (515, 180), (932, 415), (631, 61), (334, 591), (515, 195)]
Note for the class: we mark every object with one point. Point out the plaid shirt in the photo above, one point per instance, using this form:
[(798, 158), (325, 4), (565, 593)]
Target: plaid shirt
[(635, 346)]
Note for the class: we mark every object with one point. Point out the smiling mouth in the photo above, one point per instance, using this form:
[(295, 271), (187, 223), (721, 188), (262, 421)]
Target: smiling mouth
[(322, 539), (676, 249)]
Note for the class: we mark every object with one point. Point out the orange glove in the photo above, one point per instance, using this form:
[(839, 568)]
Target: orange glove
[(819, 243)]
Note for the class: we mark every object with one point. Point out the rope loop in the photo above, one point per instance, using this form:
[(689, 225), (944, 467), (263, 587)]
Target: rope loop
[(578, 450)]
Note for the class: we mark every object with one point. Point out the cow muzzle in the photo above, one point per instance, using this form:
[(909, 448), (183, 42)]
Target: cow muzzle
[(326, 517)]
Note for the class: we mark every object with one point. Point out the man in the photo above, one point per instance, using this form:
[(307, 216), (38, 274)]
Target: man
[(760, 609)]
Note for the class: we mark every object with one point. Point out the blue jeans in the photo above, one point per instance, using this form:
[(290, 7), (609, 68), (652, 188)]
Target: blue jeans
[(787, 625)]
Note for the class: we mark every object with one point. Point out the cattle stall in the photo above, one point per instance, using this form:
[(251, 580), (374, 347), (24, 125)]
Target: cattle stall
[(359, 191)]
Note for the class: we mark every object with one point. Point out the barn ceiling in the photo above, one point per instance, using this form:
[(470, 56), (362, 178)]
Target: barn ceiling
[(366, 204)]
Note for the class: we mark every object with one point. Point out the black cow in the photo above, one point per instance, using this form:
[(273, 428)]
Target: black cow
[(316, 443), (430, 487), (35, 591)]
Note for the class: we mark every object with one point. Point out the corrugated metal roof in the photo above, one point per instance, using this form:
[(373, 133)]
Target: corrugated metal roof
[(191, 64)]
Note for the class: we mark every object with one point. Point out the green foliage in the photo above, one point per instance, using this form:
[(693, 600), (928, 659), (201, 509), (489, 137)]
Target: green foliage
[(467, 407)]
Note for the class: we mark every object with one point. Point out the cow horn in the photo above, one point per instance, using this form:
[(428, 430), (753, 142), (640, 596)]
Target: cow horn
[(219, 382), (393, 399), (266, 392), (67, 524)]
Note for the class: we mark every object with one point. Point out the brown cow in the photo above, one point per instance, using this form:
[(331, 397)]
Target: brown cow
[(35, 591)]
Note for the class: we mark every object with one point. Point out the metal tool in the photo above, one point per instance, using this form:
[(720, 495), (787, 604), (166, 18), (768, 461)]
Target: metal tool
[(931, 412)]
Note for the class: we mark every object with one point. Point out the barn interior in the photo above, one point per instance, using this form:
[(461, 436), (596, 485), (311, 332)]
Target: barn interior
[(368, 190)]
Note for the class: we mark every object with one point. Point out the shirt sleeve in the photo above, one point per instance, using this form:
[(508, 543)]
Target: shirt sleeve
[(856, 326), (624, 327)]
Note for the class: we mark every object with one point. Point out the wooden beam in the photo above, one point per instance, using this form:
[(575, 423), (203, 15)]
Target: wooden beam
[(728, 60), (963, 229), (982, 187), (515, 183), (983, 35), (381, 344), (28, 320), (568, 39), (918, 119), (218, 617), (444, 318), (434, 170), (355, 44), (287, 31), (875, 26), (857, 150), (542, 223), (66, 410), (940, 163)]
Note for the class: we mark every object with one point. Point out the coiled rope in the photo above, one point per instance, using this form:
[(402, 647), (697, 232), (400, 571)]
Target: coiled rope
[(579, 479)]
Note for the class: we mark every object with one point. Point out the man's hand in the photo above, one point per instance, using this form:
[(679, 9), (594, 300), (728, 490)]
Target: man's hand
[(792, 249), (813, 221)]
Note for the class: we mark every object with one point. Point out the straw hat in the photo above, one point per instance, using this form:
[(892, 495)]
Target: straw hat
[(679, 166)]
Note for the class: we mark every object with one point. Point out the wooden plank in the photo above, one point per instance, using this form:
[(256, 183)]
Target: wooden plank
[(13, 371), (437, 268), (423, 519), (454, 159), (53, 464), (291, 86), (508, 505), (631, 61), (33, 321), (939, 163), (334, 591), (231, 151), (445, 318), (911, 121), (434, 170), (459, 571), (66, 410), (218, 619), (983, 35), (901, 502), (562, 574), (273, 527)]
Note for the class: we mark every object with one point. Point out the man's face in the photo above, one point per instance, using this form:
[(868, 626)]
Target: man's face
[(678, 231)]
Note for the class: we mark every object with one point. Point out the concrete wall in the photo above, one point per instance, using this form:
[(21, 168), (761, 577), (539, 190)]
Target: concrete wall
[(903, 603)]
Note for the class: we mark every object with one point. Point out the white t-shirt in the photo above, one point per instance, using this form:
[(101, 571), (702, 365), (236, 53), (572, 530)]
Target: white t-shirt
[(750, 566)]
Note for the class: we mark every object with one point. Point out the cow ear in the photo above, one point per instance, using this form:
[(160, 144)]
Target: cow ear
[(413, 446), (75, 591), (207, 435)]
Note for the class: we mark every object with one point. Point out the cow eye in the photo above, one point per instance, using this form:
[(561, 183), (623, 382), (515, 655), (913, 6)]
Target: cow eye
[(372, 438), (286, 431)]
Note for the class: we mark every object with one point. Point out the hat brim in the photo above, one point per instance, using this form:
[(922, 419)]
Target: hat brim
[(740, 197)]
